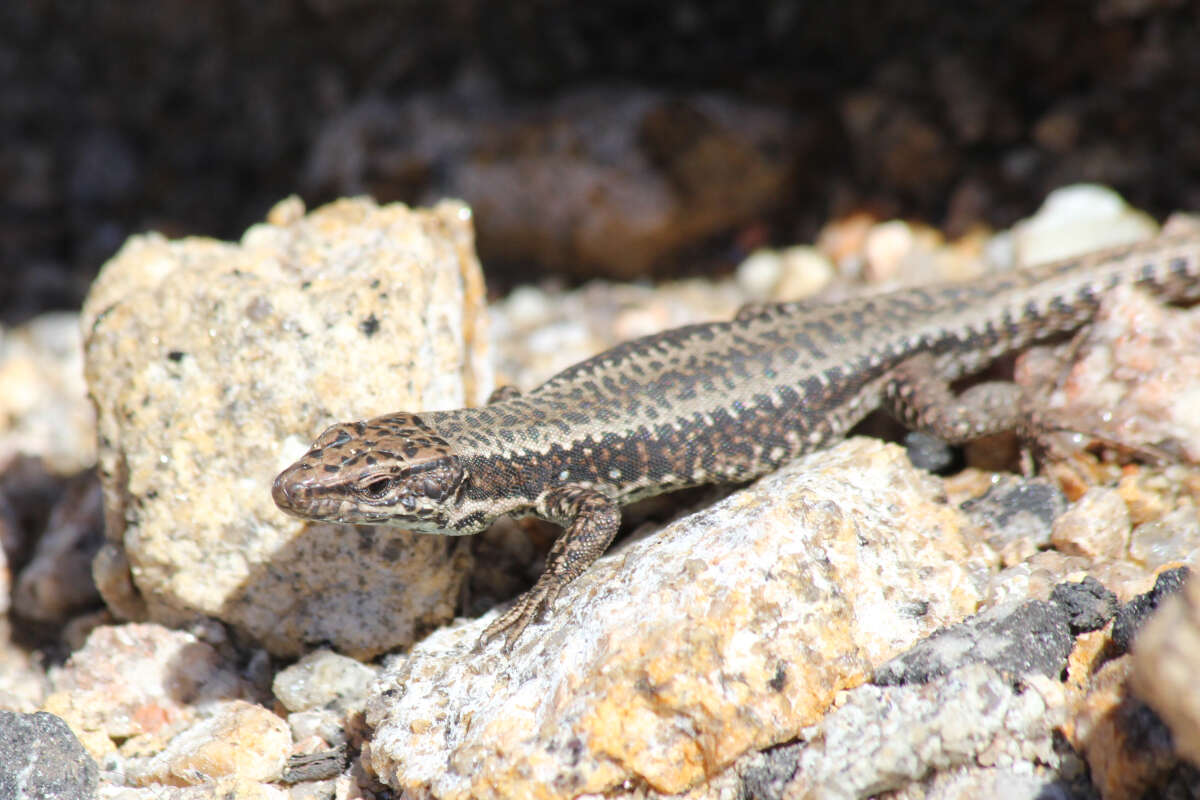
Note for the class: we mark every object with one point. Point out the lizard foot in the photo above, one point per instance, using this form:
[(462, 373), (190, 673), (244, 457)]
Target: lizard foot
[(529, 607)]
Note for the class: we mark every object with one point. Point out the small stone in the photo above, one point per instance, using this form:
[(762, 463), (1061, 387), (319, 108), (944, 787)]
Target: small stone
[(1076, 219), (760, 273), (886, 738), (1017, 516), (886, 246), (57, 582), (1096, 527), (1088, 605), (805, 271), (1133, 615), (323, 679), (238, 739), (94, 693), (1127, 747), (44, 408), (1175, 536)]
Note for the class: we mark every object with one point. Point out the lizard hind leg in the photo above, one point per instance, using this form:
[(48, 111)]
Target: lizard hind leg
[(590, 519), (921, 400)]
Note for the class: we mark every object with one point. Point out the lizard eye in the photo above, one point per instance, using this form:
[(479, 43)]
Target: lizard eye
[(376, 489)]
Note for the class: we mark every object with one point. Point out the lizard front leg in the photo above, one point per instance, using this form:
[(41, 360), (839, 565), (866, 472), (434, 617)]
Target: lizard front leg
[(590, 520)]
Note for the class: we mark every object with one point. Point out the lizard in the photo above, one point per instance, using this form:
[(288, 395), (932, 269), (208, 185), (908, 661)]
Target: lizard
[(718, 402)]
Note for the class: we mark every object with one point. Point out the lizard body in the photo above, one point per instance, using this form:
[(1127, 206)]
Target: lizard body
[(716, 402)]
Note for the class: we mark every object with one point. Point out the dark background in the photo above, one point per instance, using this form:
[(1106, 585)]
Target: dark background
[(620, 139)]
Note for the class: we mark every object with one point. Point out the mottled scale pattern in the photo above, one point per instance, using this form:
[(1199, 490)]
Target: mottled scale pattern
[(718, 402), (727, 401)]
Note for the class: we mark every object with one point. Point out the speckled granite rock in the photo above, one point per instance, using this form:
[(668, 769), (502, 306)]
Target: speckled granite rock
[(213, 365), (885, 738), (40, 759), (765, 605)]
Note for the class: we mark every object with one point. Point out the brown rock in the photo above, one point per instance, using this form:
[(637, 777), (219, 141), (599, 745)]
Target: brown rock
[(1166, 655)]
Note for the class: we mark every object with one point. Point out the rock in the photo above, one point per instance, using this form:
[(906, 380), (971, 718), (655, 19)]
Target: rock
[(882, 739), (727, 631), (1017, 515), (1173, 537), (1133, 379), (1165, 658), (1088, 605), (1127, 747), (40, 759), (214, 365), (238, 740), (1133, 615), (44, 410), (130, 680), (1017, 639), (57, 582), (1096, 527), (323, 679), (228, 788), (1076, 219), (598, 183)]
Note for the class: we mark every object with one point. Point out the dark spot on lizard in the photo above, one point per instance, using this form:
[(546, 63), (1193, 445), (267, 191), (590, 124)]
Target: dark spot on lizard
[(369, 326)]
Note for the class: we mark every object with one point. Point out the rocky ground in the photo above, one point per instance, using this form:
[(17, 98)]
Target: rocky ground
[(849, 626)]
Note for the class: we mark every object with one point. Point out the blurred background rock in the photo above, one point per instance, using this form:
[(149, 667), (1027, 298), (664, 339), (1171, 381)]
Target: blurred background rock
[(614, 139)]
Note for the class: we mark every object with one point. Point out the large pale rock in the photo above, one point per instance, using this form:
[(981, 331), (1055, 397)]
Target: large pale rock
[(727, 631), (213, 365)]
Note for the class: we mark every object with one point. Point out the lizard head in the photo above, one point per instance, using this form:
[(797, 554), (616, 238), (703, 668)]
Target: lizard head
[(390, 470)]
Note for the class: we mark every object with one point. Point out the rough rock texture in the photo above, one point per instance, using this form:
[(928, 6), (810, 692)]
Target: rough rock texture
[(1128, 749), (40, 759), (1135, 380), (135, 680), (238, 739), (765, 605), (885, 738), (1134, 614), (213, 365), (1018, 515), (1032, 637)]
